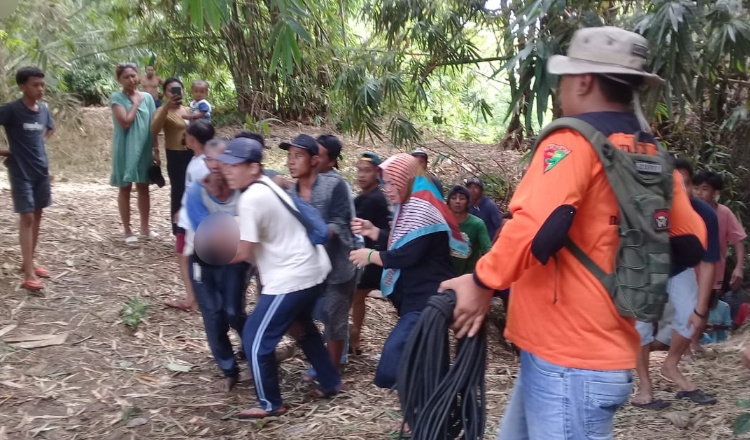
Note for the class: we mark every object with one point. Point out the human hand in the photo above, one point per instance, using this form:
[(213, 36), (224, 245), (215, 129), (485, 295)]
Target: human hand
[(156, 159), (175, 101), (4, 153), (472, 305), (359, 257), (696, 324), (364, 228), (136, 99), (735, 282)]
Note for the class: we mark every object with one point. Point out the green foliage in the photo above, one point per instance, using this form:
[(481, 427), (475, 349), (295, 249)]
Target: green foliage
[(742, 424), (134, 311), (91, 83), (261, 127)]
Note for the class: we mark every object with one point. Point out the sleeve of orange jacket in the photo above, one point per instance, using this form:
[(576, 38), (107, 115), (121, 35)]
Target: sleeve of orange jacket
[(687, 231), (557, 177)]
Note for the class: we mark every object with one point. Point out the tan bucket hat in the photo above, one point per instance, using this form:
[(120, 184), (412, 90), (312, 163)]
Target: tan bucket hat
[(607, 50)]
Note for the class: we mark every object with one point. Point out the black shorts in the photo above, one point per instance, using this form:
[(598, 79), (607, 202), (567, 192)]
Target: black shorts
[(370, 278), (30, 195)]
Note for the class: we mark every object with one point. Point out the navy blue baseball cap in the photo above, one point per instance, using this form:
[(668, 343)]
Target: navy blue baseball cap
[(242, 150), (304, 141)]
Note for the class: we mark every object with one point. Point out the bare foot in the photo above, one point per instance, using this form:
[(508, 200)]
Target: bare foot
[(645, 394), (245, 376), (671, 372), (401, 424), (226, 384)]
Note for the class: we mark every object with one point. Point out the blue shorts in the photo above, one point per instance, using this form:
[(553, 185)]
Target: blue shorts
[(30, 195)]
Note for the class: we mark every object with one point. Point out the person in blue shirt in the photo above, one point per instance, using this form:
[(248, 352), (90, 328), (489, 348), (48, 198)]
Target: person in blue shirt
[(689, 297), (484, 207), (719, 320), (28, 124)]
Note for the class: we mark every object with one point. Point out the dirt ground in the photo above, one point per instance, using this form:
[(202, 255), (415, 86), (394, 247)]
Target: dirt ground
[(104, 382)]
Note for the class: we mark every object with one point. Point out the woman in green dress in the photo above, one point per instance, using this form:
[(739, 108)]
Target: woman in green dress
[(134, 149)]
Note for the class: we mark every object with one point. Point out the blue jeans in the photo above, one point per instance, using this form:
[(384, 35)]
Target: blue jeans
[(550, 402), (390, 358), (220, 291), (267, 324)]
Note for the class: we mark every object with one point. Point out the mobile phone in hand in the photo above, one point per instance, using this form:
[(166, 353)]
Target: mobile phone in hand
[(177, 90)]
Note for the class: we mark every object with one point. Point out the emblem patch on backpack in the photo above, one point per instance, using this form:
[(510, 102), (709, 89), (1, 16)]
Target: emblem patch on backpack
[(661, 220)]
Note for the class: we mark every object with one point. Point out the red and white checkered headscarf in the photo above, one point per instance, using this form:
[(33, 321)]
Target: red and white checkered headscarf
[(401, 168)]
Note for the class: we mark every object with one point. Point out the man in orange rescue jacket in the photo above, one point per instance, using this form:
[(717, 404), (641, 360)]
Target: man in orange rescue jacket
[(577, 351)]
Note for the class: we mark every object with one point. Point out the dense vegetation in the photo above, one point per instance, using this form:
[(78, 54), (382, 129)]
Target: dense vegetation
[(397, 70)]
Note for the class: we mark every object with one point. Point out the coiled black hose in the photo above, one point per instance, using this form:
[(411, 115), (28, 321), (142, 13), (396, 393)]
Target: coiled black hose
[(441, 401)]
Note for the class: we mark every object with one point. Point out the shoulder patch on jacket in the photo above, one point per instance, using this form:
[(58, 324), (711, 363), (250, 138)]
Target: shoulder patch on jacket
[(553, 154)]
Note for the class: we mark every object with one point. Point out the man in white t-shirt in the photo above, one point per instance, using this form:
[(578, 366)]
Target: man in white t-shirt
[(293, 271)]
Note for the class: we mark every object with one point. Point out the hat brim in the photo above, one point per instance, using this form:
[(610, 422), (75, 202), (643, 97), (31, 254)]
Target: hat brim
[(231, 160), (563, 65), (288, 145)]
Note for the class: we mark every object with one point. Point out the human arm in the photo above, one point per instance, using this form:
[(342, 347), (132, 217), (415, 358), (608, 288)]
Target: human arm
[(339, 212), (484, 239), (408, 255), (736, 236), (738, 274), (363, 257), (707, 267), (123, 117), (49, 126), (245, 252), (365, 228), (538, 230), (160, 117), (5, 115), (688, 236), (195, 208)]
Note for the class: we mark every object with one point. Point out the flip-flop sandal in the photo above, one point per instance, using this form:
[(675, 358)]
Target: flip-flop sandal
[(179, 304), (654, 405), (33, 285), (41, 272), (151, 235), (320, 394), (131, 240), (697, 396), (260, 413)]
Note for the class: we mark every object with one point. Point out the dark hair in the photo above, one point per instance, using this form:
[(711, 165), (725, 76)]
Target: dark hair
[(682, 164), (202, 130), (618, 89), (25, 73), (171, 80), (710, 178), (121, 68), (251, 135)]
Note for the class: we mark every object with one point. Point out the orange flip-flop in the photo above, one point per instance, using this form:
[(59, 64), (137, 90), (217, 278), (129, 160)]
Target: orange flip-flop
[(33, 285), (41, 272)]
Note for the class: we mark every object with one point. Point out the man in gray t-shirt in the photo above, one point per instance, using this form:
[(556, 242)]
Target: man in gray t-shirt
[(28, 124), (329, 195)]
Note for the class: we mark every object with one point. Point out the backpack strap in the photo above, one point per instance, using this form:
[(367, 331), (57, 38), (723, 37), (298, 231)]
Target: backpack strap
[(292, 210), (604, 149)]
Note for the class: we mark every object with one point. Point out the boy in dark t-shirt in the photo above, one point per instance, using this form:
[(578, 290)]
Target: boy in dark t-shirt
[(28, 124), (371, 205)]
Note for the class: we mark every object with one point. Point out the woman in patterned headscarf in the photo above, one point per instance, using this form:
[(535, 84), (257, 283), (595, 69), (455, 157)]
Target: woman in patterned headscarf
[(415, 253)]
